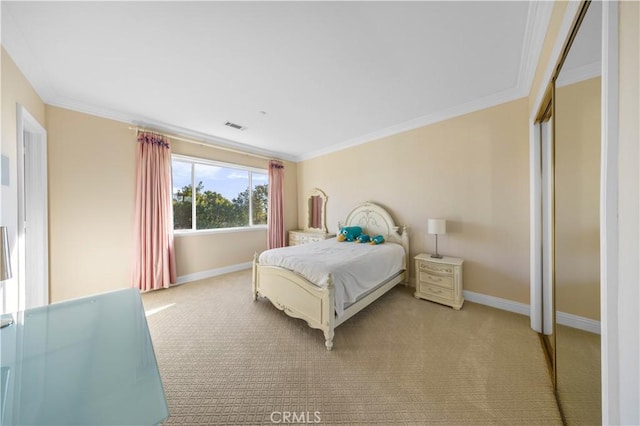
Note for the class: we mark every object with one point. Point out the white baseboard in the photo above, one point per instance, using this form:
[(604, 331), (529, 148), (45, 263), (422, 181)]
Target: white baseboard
[(212, 273), (496, 302), (580, 323), (562, 318)]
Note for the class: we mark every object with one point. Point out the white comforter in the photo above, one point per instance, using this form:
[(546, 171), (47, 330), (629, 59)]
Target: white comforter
[(355, 268)]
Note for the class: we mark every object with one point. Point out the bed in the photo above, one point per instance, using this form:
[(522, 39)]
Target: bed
[(325, 297)]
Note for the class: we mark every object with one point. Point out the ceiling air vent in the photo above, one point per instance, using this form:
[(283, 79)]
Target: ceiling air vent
[(235, 126)]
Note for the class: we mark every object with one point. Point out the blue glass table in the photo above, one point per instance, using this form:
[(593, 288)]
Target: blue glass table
[(87, 361)]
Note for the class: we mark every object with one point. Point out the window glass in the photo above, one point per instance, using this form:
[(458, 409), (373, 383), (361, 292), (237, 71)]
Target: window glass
[(260, 188), (181, 191), (225, 197)]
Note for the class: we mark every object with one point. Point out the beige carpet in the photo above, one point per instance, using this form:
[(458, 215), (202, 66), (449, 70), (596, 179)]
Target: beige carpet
[(579, 382), (225, 359)]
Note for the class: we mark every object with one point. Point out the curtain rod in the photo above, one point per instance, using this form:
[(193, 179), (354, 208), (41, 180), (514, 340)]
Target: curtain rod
[(180, 138)]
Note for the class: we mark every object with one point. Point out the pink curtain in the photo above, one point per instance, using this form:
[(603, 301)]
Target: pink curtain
[(154, 264), (275, 222)]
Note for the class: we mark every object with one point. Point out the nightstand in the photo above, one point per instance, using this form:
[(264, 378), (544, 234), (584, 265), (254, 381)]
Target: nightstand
[(304, 237), (439, 280)]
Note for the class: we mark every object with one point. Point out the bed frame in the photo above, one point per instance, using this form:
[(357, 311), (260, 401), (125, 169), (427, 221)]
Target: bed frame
[(299, 298)]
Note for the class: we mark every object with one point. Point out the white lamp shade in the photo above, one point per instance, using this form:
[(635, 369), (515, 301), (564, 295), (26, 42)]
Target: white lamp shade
[(437, 226)]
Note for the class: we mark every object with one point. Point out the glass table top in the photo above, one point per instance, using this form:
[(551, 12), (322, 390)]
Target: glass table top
[(87, 361)]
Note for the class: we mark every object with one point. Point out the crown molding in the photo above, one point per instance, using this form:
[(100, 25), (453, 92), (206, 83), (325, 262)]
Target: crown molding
[(456, 111), (578, 74), (159, 126), (538, 17)]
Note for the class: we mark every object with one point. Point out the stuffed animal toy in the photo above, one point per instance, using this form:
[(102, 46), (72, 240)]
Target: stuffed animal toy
[(349, 233), (364, 238), (378, 239)]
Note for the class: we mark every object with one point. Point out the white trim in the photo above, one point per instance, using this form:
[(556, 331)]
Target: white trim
[(535, 205), (576, 75), (562, 318), (547, 225), (609, 217), (196, 232), (145, 122), (212, 273), (538, 19), (208, 162), (580, 323), (445, 114), (563, 33), (535, 226), (37, 251), (496, 302)]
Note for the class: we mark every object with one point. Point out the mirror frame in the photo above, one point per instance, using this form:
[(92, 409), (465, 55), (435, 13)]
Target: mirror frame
[(546, 111), (317, 192)]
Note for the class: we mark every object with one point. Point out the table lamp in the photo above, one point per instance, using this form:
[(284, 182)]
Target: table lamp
[(437, 227)]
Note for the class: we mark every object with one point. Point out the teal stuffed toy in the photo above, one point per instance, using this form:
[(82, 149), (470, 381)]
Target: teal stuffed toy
[(349, 233), (378, 239), (364, 238)]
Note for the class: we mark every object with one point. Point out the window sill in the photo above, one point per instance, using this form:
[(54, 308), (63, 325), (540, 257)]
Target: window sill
[(192, 233)]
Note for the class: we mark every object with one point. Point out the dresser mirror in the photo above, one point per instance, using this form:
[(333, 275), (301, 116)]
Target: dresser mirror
[(316, 211)]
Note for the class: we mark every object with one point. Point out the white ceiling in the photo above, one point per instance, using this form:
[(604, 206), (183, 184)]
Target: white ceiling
[(327, 74), (584, 58)]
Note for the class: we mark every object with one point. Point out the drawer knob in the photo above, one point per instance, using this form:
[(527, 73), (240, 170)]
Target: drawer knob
[(435, 290)]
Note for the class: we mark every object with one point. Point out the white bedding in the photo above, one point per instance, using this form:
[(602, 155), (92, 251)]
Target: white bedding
[(355, 268)]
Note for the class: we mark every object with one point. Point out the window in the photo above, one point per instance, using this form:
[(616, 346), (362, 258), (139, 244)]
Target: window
[(226, 195)]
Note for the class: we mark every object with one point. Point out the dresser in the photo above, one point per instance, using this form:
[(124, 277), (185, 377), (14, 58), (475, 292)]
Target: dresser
[(439, 280), (303, 237)]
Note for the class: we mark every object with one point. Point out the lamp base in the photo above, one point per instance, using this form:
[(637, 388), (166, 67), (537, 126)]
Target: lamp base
[(436, 256)]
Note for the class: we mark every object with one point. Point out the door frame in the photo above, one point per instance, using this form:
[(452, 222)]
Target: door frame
[(27, 123)]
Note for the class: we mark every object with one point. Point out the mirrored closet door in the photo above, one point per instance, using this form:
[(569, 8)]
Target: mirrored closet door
[(577, 120)]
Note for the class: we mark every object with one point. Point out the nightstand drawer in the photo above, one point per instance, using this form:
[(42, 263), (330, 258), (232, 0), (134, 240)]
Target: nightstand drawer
[(436, 291), (439, 280), (434, 267)]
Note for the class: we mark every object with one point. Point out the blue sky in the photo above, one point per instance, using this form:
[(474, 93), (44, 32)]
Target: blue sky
[(227, 181)]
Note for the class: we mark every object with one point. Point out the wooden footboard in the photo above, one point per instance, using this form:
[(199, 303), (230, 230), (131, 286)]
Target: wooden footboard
[(297, 297)]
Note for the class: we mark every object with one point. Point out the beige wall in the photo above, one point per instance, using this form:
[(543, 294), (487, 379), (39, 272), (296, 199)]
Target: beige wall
[(91, 201), (577, 188), (197, 252), (15, 89), (472, 170), (92, 181)]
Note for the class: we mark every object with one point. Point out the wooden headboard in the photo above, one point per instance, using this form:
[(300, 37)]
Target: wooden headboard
[(374, 220)]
